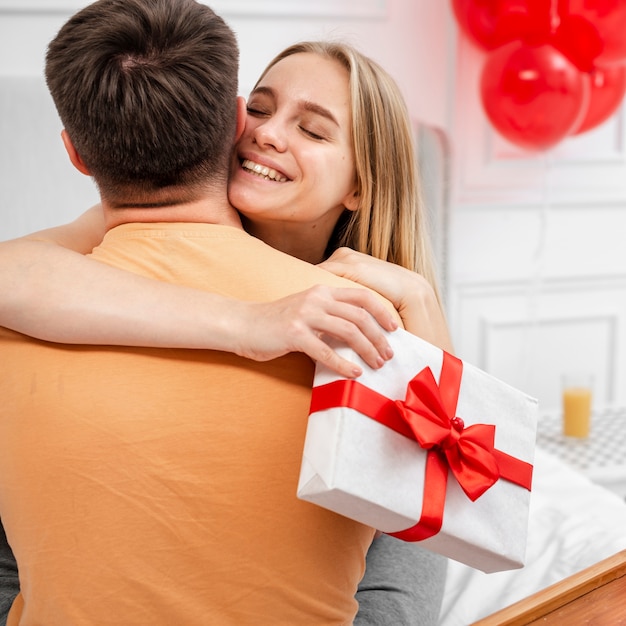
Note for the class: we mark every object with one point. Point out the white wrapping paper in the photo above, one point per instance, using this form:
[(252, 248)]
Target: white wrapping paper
[(359, 468)]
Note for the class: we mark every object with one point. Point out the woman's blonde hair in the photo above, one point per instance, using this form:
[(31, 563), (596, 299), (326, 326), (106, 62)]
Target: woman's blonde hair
[(390, 223)]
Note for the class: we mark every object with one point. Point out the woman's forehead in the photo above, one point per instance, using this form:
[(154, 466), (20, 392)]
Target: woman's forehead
[(309, 77)]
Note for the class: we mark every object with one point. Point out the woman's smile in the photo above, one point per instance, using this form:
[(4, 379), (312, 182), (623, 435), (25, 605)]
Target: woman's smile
[(265, 172)]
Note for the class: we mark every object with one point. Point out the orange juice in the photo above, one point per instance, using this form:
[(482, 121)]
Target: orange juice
[(576, 411)]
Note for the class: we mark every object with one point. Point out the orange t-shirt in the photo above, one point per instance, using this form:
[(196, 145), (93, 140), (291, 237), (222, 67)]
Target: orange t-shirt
[(151, 486)]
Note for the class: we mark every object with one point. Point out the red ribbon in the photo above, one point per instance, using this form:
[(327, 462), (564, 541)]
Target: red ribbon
[(428, 416)]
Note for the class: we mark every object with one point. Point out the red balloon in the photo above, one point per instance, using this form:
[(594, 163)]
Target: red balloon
[(533, 95), (578, 39), (608, 18), (493, 23), (608, 85)]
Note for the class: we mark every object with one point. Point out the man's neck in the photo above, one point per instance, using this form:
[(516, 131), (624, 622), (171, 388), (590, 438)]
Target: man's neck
[(206, 210)]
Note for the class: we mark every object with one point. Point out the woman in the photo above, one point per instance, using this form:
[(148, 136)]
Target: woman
[(325, 164)]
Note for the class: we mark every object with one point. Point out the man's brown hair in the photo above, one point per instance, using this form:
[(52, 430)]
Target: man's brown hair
[(146, 90)]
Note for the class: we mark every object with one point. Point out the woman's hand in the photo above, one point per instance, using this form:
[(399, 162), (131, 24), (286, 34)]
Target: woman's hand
[(297, 323), (411, 294)]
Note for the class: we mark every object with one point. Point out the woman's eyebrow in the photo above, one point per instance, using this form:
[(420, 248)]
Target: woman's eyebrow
[(268, 91), (307, 105)]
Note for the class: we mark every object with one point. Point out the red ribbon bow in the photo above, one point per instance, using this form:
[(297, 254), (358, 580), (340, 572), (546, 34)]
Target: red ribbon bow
[(468, 451), (428, 416)]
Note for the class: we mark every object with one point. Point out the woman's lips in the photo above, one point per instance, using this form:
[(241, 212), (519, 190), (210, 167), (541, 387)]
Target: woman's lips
[(263, 171)]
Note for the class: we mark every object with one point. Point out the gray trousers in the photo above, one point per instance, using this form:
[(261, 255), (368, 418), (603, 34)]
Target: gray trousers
[(9, 583), (403, 585)]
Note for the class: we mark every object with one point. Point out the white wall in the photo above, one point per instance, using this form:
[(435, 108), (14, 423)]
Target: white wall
[(537, 269)]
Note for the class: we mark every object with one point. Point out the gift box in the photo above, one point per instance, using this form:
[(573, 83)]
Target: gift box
[(427, 448)]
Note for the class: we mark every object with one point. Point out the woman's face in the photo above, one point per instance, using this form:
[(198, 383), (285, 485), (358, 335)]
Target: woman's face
[(294, 162)]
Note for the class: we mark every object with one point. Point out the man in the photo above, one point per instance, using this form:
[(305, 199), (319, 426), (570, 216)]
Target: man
[(155, 486)]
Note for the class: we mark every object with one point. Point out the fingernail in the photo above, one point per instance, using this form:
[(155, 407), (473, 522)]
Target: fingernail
[(356, 372), (388, 353)]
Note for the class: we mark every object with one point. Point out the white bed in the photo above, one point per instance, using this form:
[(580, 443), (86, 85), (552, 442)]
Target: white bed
[(573, 524)]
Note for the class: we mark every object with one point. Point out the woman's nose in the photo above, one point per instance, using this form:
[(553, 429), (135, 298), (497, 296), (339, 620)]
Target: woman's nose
[(270, 134)]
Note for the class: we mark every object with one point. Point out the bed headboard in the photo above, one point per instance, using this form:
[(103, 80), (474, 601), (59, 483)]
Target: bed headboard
[(40, 187)]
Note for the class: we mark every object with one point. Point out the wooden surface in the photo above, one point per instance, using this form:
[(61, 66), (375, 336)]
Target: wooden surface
[(597, 595)]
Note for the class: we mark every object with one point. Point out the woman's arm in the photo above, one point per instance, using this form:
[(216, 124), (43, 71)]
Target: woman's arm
[(411, 294), (52, 292)]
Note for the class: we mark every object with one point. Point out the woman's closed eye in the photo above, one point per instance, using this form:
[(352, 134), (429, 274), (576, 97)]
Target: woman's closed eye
[(312, 134), (256, 111)]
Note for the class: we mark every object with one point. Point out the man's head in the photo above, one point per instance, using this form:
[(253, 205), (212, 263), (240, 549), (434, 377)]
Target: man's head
[(147, 92)]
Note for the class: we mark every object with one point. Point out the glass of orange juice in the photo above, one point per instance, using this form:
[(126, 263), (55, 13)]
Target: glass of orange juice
[(577, 398)]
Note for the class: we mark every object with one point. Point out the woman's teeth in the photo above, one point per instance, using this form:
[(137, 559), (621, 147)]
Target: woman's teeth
[(263, 171)]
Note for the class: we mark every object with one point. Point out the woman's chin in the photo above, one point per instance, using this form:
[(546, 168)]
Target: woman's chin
[(254, 200)]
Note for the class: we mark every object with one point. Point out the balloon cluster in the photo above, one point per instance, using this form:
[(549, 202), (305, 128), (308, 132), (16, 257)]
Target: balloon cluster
[(553, 68)]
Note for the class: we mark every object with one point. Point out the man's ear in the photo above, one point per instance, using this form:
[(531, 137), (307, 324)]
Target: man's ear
[(75, 158), (241, 117)]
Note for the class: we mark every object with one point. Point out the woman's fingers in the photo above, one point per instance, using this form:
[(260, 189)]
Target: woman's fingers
[(351, 323), (299, 323)]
